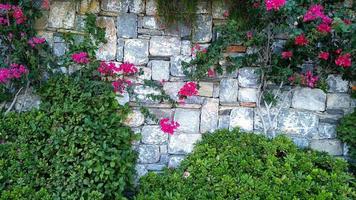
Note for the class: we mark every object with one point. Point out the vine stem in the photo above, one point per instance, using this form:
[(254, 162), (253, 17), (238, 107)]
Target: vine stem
[(13, 102)]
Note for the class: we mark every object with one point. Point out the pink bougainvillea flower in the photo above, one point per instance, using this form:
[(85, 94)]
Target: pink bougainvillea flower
[(5, 75), (18, 15), (311, 80), (347, 21), (324, 28), (226, 14), (3, 21), (338, 51), (274, 4), (301, 40), (168, 126), (45, 4), (249, 35), (314, 12), (120, 85), (211, 73), (80, 58), (5, 7), (17, 70), (128, 68), (107, 69), (35, 40), (188, 89), (287, 54), (324, 55), (344, 60), (326, 19)]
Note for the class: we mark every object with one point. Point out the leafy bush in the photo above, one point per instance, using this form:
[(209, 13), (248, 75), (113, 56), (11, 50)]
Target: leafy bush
[(73, 147), (346, 132), (235, 165)]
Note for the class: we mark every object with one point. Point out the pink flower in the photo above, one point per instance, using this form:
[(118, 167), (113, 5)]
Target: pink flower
[(35, 40), (5, 7), (301, 40), (347, 21), (18, 15), (326, 19), (3, 21), (344, 60), (249, 35), (168, 126), (45, 4), (314, 12), (120, 85), (287, 54), (324, 28), (80, 58), (274, 4), (189, 89), (338, 51), (310, 79), (226, 14), (107, 69), (211, 73), (324, 55), (128, 68), (4, 75), (17, 70)]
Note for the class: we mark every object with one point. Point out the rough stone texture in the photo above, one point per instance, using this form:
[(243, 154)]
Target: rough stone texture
[(188, 119), (27, 102), (209, 115), (136, 51), (248, 95), (336, 100), (153, 135), (182, 143), (159, 113), (164, 46), (148, 154), (186, 48), (122, 99), (218, 9), (326, 131), (332, 147), (300, 142), (59, 49), (174, 161), (110, 5), (203, 30), (150, 22), (127, 25), (241, 117), (160, 70), (140, 171), (120, 49), (228, 90), (309, 99), (155, 167), (172, 88), (206, 89), (224, 122), (337, 84), (249, 77), (107, 51), (284, 98), (142, 93), (298, 122), (176, 64), (151, 7), (62, 15), (135, 119), (89, 6), (137, 6)]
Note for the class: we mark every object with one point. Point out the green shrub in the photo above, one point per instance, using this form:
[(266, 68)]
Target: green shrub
[(235, 165), (346, 132), (74, 147)]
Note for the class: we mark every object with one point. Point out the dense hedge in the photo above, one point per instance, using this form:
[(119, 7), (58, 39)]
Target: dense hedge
[(235, 165), (73, 147), (346, 132)]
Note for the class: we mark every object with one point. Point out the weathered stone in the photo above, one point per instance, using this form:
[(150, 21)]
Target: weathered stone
[(186, 48), (134, 119), (147, 33), (150, 22), (123, 98), (159, 114), (194, 100), (242, 117), (206, 89), (80, 23), (153, 135), (110, 5), (146, 74), (136, 51), (219, 8), (224, 122), (228, 90), (120, 49), (278, 46), (143, 93), (151, 7), (28, 101), (107, 51), (188, 119), (163, 149), (209, 115), (203, 29), (326, 131), (336, 100), (284, 98), (248, 95), (172, 89), (297, 122), (164, 46), (182, 143), (174, 161), (148, 154), (140, 171), (164, 159), (155, 167), (123, 6), (89, 6), (127, 25), (337, 84), (332, 147), (62, 15), (160, 70), (249, 77), (203, 7), (300, 142), (42, 22), (216, 91), (59, 49), (137, 6), (176, 64), (309, 99)]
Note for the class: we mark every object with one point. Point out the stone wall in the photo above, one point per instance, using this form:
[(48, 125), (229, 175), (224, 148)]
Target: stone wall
[(135, 35)]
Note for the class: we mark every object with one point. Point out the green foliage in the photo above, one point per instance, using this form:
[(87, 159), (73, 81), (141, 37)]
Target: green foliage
[(235, 165), (175, 11), (346, 132), (74, 147)]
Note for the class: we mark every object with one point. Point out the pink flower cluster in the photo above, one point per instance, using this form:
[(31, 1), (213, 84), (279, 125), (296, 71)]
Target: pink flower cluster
[(128, 68), (211, 73), (301, 40), (324, 55), (198, 49), (344, 60), (14, 72), (274, 4), (17, 14), (168, 126), (287, 54), (36, 40), (317, 12), (188, 89), (120, 85), (306, 79), (107, 69), (80, 58)]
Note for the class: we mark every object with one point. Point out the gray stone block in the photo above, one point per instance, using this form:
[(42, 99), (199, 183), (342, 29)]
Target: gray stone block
[(136, 51), (248, 95), (160, 69), (148, 154), (332, 147), (182, 143), (62, 15), (189, 120), (228, 90), (242, 118), (209, 115), (337, 84), (249, 77), (127, 25), (152, 134), (297, 122), (309, 99), (164, 46), (174, 161), (338, 101), (202, 32), (176, 64)]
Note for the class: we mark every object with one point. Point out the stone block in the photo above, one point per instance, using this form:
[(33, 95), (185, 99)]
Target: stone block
[(209, 115), (326, 131), (224, 122), (107, 51), (134, 119), (127, 25), (242, 117), (62, 15), (174, 161), (160, 70), (136, 51), (332, 147), (203, 30), (189, 120), (248, 95), (186, 48), (164, 46), (338, 101), (297, 122), (337, 84), (150, 22), (172, 89), (249, 77), (176, 64), (309, 99), (153, 135), (151, 7), (182, 143), (148, 154), (206, 89), (228, 90)]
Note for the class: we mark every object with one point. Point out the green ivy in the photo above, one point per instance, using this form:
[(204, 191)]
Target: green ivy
[(235, 165)]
